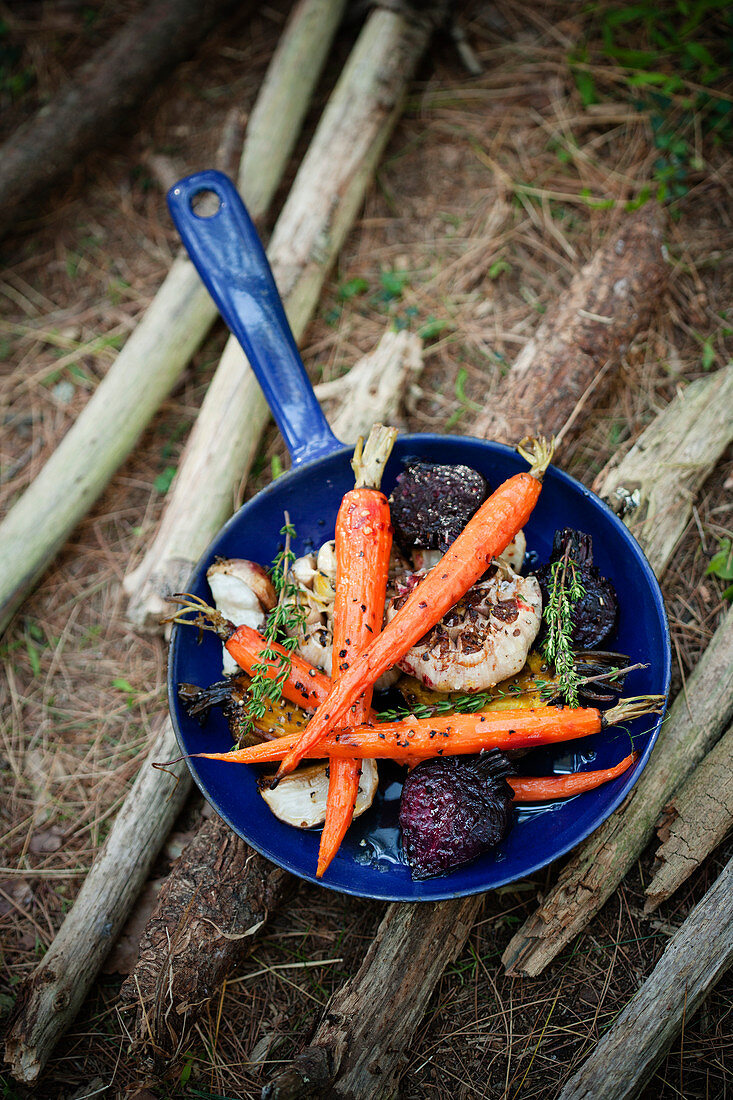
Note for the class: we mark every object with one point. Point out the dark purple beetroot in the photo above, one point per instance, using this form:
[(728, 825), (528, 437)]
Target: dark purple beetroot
[(594, 616), (453, 809), (431, 504)]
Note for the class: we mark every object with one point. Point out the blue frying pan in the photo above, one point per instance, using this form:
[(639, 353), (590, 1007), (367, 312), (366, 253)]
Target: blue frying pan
[(231, 261)]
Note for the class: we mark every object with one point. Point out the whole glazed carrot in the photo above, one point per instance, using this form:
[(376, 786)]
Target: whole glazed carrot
[(485, 536), (454, 734), (363, 545), (531, 788)]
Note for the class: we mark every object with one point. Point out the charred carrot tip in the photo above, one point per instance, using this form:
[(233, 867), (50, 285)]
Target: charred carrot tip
[(548, 788)]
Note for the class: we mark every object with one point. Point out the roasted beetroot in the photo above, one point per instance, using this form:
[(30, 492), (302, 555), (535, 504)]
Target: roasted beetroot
[(594, 616), (453, 809), (431, 504)]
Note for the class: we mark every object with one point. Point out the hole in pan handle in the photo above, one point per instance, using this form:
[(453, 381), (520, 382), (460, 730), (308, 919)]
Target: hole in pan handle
[(228, 255)]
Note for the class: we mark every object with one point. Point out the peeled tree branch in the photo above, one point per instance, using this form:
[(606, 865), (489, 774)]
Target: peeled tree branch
[(365, 105), (171, 330), (653, 486), (321, 207), (169, 974)]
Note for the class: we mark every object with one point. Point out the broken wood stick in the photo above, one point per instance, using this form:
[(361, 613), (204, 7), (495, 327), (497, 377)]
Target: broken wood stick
[(653, 486), (206, 914), (434, 924), (696, 957), (100, 100), (321, 208), (695, 722), (172, 981), (693, 823), (51, 997), (158, 350), (357, 1048), (374, 388), (576, 352)]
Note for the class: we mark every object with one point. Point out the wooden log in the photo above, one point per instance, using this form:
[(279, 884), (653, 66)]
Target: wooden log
[(694, 724), (575, 354), (653, 486), (207, 912), (438, 923), (357, 1049), (171, 983), (693, 823), (696, 957), (101, 99), (156, 353), (321, 208), (49, 1000)]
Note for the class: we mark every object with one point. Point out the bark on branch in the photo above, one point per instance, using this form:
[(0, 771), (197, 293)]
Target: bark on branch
[(573, 357), (358, 1047), (219, 896), (693, 823), (696, 957)]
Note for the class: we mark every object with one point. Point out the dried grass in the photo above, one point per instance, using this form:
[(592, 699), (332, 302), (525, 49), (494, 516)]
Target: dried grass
[(487, 222)]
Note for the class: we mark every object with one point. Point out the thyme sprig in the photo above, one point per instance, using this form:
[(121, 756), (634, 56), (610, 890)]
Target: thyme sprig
[(284, 623), (565, 591), (458, 704), (470, 704)]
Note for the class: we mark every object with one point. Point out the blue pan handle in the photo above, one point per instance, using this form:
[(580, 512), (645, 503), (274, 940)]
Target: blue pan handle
[(229, 257)]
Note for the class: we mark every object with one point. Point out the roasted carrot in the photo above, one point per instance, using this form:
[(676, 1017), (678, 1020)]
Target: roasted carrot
[(455, 734), (485, 536), (363, 544), (530, 788), (305, 685)]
